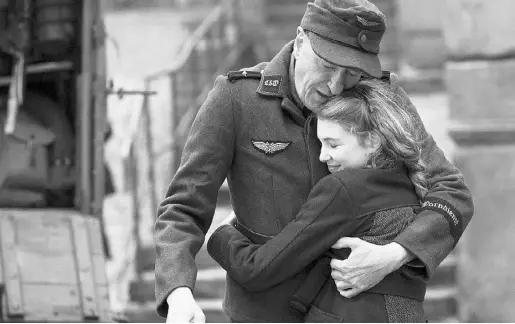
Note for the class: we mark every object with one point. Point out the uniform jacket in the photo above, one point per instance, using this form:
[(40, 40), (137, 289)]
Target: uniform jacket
[(372, 204), (251, 132)]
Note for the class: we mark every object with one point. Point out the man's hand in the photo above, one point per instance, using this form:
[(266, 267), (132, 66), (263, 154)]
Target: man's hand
[(182, 307), (367, 264)]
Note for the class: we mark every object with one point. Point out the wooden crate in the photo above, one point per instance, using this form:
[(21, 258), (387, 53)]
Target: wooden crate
[(52, 267)]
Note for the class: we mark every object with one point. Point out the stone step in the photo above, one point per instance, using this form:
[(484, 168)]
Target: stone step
[(146, 312), (210, 284), (440, 303)]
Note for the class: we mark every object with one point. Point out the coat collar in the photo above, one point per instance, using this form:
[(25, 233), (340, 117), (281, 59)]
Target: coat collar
[(275, 82)]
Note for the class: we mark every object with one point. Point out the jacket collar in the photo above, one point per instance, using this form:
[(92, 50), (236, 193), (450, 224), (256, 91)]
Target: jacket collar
[(277, 70), (275, 82)]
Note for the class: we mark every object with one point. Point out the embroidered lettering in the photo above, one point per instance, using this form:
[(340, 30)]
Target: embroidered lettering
[(451, 214), (272, 83), (444, 208)]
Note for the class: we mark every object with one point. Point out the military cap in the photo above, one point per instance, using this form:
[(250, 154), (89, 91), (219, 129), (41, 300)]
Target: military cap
[(346, 33)]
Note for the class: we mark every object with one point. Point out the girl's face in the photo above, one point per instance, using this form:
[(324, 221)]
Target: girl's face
[(340, 148)]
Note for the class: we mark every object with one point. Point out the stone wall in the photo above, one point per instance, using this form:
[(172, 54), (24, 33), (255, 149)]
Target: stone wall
[(480, 81), (420, 33)]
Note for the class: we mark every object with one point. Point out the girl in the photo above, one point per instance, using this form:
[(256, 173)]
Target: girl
[(377, 180)]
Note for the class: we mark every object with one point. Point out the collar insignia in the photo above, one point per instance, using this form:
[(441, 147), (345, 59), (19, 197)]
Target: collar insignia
[(270, 147), (271, 84)]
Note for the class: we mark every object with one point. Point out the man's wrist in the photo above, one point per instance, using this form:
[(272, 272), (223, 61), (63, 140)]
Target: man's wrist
[(399, 254)]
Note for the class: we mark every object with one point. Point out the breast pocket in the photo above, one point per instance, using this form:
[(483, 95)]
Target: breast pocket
[(252, 191)]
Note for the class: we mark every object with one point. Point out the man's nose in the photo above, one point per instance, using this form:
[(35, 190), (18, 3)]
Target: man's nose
[(337, 82)]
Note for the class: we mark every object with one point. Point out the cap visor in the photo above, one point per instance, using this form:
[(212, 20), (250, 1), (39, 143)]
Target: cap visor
[(346, 56)]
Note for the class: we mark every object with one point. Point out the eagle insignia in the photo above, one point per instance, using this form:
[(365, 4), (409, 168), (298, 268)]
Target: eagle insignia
[(270, 147)]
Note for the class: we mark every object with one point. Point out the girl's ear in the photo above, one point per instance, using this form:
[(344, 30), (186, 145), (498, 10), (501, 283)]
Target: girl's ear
[(373, 142)]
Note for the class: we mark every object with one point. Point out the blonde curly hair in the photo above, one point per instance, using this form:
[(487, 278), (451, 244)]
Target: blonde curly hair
[(371, 108)]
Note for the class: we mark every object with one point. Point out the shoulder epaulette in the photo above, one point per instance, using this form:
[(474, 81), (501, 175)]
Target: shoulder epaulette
[(236, 75), (386, 76)]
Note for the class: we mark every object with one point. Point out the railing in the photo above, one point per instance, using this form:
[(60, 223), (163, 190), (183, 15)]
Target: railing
[(212, 49)]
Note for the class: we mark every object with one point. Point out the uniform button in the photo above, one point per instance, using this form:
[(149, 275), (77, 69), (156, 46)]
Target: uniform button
[(363, 38)]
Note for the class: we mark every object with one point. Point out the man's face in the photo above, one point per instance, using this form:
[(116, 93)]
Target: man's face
[(317, 80)]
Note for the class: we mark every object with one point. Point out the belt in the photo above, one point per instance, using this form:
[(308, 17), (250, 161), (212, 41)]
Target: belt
[(256, 238)]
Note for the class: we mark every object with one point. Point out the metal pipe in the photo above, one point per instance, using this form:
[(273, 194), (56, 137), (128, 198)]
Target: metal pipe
[(149, 143), (100, 113), (84, 105)]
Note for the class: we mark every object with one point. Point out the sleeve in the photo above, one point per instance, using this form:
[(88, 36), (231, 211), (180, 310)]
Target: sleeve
[(326, 216), (185, 214), (446, 211)]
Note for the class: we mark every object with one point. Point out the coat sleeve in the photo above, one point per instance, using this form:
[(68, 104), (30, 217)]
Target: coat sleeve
[(327, 215), (185, 214), (447, 208)]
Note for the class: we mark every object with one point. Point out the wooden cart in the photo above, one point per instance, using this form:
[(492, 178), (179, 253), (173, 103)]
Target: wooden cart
[(52, 258)]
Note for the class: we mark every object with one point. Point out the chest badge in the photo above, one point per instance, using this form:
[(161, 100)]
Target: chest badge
[(270, 147)]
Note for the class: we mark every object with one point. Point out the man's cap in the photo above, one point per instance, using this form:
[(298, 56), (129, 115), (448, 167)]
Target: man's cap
[(346, 33)]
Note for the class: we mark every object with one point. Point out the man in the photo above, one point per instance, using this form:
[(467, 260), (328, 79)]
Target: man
[(256, 129)]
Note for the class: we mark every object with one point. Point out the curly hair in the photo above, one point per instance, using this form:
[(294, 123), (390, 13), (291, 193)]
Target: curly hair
[(371, 108)]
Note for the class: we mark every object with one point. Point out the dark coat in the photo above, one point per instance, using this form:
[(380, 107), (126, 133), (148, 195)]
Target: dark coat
[(372, 204), (269, 183)]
